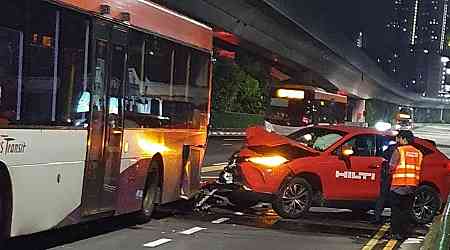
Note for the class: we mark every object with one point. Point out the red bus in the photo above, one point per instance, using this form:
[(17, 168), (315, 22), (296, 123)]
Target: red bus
[(104, 108)]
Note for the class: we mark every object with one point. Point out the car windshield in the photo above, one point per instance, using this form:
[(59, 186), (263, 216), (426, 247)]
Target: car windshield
[(317, 138)]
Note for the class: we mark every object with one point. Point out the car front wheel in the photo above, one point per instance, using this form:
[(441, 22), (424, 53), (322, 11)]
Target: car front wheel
[(293, 199), (426, 205)]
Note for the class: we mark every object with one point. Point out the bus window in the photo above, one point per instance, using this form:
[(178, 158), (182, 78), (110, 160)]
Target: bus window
[(199, 88), (9, 65), (39, 66), (11, 23), (47, 89), (73, 100)]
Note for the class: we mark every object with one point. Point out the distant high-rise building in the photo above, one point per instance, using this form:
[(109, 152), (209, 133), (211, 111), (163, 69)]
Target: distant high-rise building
[(420, 31), (360, 40)]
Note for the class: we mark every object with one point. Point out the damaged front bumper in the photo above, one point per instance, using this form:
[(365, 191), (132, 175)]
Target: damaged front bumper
[(229, 190)]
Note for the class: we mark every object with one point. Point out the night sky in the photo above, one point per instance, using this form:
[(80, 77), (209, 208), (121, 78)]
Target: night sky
[(348, 17), (369, 16)]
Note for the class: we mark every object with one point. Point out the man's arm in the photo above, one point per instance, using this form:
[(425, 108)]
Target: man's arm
[(395, 160)]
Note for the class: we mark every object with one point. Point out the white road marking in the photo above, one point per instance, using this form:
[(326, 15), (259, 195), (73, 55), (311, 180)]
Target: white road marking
[(213, 168), (192, 230), (238, 213), (413, 241), (221, 220), (227, 145), (233, 139), (157, 242), (219, 164)]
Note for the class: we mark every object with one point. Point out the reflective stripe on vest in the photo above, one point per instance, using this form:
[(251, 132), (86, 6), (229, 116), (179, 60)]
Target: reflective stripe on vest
[(407, 173)]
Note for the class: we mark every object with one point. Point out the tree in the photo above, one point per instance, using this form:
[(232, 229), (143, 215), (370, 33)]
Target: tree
[(236, 90)]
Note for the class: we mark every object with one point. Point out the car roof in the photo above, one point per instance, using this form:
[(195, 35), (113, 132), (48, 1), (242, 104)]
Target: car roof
[(355, 130)]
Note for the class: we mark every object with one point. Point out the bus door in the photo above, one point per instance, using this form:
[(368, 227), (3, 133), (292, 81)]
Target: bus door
[(106, 124)]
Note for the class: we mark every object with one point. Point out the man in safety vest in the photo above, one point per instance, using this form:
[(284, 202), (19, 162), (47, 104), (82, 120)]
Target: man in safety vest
[(405, 167)]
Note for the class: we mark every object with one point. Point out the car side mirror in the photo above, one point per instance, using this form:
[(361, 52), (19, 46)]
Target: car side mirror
[(345, 154), (346, 151)]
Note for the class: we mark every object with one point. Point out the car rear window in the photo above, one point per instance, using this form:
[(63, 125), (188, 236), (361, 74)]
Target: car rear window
[(317, 138)]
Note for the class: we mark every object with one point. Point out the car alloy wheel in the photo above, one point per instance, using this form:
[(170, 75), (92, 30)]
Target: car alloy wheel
[(426, 205), (294, 199)]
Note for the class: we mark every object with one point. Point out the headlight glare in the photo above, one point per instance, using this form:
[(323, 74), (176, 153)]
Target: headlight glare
[(269, 161)]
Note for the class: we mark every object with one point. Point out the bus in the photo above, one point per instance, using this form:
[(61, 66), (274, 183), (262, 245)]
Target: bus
[(294, 105), (404, 119), (104, 109)]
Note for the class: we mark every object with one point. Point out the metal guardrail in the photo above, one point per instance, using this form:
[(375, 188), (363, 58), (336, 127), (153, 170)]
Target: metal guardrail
[(443, 240), (227, 132)]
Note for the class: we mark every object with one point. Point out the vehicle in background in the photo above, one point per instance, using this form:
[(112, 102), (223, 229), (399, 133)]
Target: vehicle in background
[(294, 106), (104, 110), (333, 166), (403, 119)]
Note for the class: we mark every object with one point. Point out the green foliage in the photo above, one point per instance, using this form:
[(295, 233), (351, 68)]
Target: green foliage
[(235, 120), (256, 68), (236, 90), (225, 89)]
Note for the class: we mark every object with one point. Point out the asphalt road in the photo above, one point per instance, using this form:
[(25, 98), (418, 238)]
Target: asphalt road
[(186, 230), (440, 133), (176, 227)]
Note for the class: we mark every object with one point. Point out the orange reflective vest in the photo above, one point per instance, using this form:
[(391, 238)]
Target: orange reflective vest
[(407, 172)]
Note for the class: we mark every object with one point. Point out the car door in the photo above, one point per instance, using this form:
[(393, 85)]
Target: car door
[(357, 177)]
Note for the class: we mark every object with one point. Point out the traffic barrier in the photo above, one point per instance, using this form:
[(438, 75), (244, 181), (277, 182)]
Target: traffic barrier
[(227, 132)]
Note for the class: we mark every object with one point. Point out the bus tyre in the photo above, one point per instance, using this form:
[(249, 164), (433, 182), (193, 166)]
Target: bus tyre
[(293, 199), (151, 192), (426, 204)]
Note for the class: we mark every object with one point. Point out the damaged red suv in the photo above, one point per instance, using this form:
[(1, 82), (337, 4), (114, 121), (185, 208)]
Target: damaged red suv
[(333, 166)]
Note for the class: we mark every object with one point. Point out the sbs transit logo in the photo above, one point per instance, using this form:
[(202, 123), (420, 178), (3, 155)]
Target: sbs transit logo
[(9, 145)]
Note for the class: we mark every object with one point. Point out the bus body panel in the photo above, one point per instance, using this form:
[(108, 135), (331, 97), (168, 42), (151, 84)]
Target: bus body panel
[(141, 144), (47, 178), (153, 17)]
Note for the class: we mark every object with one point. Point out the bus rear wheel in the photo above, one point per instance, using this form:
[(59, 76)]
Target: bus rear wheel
[(151, 191)]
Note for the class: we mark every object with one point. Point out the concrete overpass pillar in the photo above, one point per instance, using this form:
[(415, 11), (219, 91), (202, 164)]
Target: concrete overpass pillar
[(358, 111)]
